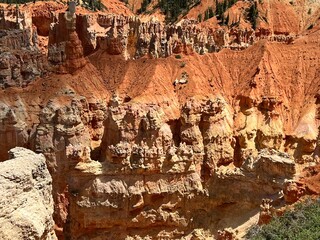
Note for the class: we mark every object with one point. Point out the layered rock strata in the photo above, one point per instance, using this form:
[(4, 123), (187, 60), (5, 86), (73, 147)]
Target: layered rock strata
[(186, 146), (141, 170), (75, 122), (160, 180)]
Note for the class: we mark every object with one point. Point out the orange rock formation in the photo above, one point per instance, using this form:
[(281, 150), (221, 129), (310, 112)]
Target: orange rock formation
[(163, 131)]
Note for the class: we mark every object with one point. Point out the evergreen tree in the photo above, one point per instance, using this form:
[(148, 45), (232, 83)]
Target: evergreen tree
[(222, 19), (144, 6), (253, 15), (227, 20), (173, 8), (224, 6), (206, 15), (210, 12), (219, 9), (231, 3)]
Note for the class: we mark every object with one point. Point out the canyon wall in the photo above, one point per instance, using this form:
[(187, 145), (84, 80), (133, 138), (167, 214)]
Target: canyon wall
[(155, 131), (169, 180), (131, 38)]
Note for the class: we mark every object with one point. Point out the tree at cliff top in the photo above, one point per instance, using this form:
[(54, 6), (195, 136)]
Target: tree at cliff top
[(173, 8), (220, 8), (253, 15), (302, 223), (144, 6), (93, 5)]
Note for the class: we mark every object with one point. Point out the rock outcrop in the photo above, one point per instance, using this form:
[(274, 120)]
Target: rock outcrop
[(26, 204), (65, 48), (150, 170), (161, 131), (175, 204), (131, 38), (20, 58), (13, 131), (66, 120)]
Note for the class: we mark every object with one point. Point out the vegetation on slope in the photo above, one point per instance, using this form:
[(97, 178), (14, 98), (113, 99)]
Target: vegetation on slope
[(93, 5), (173, 8), (302, 223), (253, 15), (221, 7), (144, 6)]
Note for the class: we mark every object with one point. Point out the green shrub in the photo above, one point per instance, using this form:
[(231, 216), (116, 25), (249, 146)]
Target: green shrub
[(302, 223)]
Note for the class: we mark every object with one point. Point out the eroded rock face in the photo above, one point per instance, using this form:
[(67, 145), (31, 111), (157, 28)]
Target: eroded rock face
[(185, 147), (150, 170), (26, 204), (65, 48), (150, 205), (13, 131), (259, 126), (20, 59), (130, 37), (66, 120), (123, 168)]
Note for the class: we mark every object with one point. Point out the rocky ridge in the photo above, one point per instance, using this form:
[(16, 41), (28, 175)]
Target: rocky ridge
[(131, 38)]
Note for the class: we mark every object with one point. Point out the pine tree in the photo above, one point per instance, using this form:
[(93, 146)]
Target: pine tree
[(144, 6), (219, 9), (222, 19), (227, 20), (210, 12), (224, 6), (253, 15), (206, 15)]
